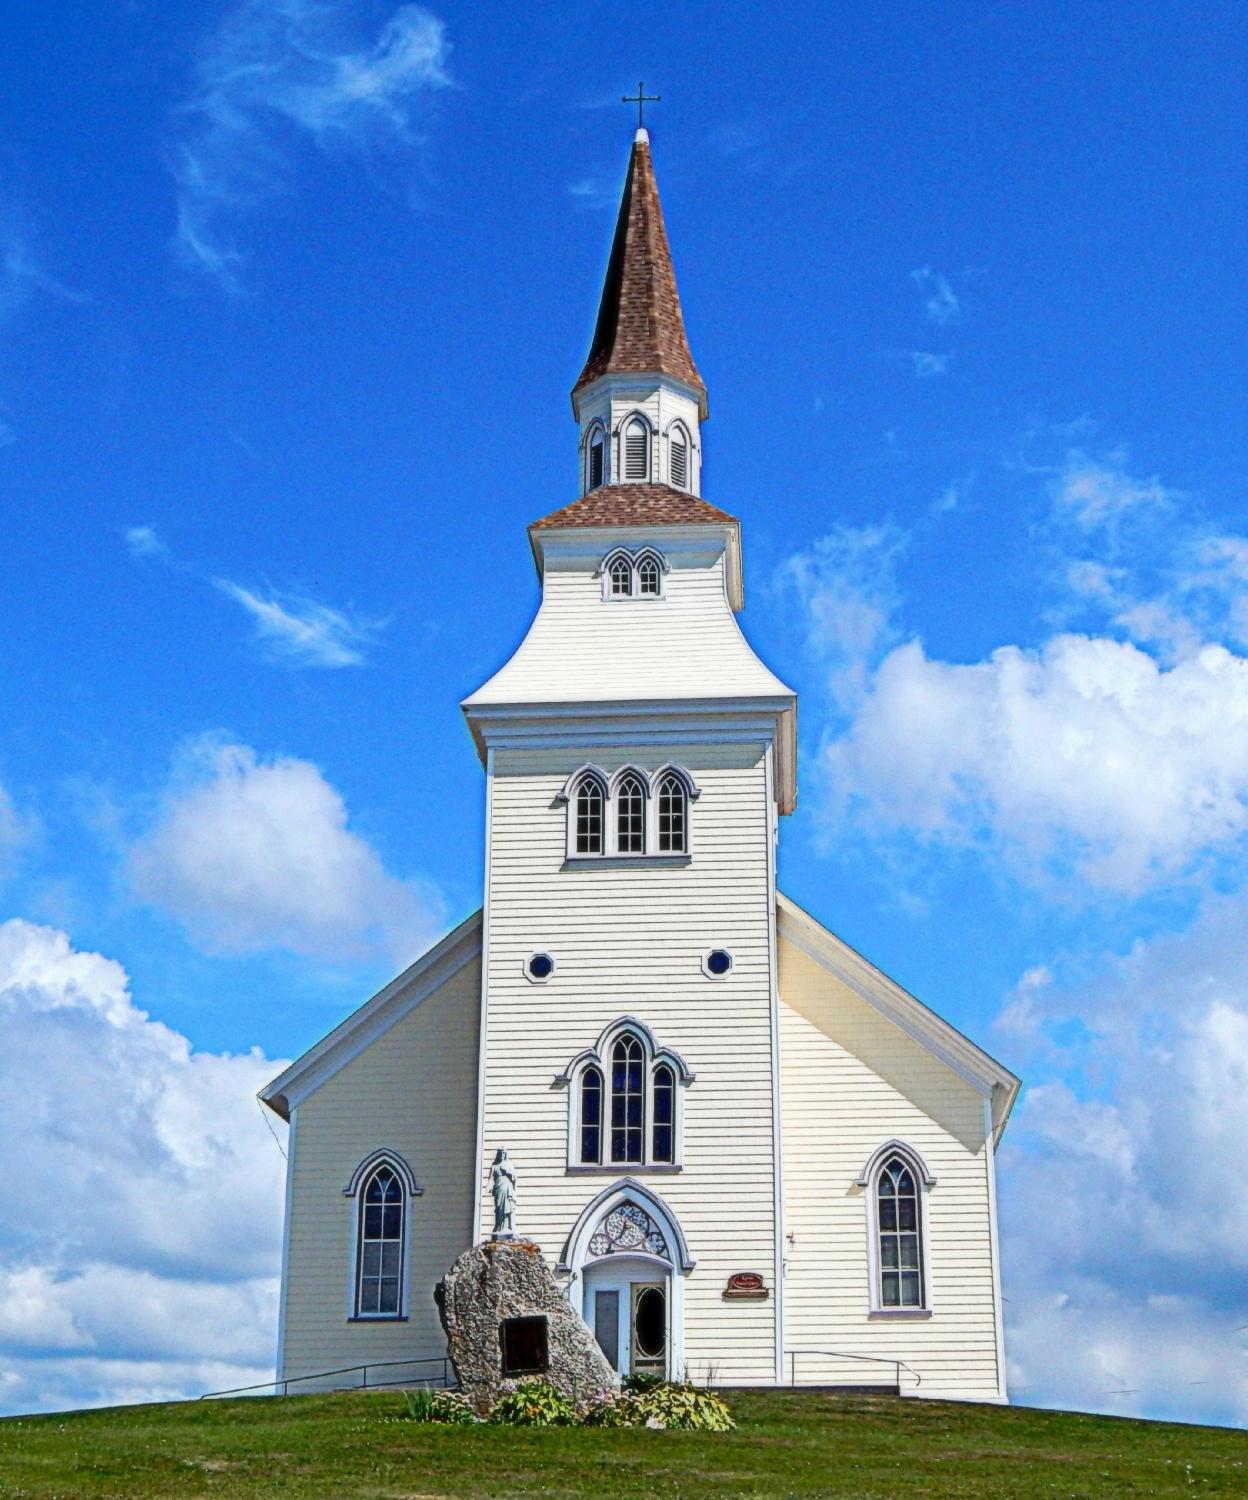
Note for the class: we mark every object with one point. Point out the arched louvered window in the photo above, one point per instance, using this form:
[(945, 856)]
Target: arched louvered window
[(636, 450), (630, 816), (673, 810), (597, 461), (897, 1215), (663, 1096), (648, 576), (679, 458), (621, 575), (380, 1261), (591, 1116), (627, 1099), (589, 830)]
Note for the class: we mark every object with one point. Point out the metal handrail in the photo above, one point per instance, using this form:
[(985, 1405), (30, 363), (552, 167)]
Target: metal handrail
[(898, 1364), (381, 1364)]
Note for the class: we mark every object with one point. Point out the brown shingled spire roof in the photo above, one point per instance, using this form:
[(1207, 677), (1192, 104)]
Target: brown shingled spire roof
[(640, 329)]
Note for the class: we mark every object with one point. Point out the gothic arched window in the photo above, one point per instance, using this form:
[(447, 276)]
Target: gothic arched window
[(663, 1111), (630, 815), (379, 1273), (591, 1115), (627, 1098), (673, 822), (636, 450), (621, 575), (648, 576), (900, 1235), (588, 807)]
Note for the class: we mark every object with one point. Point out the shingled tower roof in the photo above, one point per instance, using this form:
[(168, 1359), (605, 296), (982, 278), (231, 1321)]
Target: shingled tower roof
[(640, 329)]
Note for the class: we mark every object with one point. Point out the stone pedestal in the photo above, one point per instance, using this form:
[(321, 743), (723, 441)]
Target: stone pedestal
[(504, 1279)]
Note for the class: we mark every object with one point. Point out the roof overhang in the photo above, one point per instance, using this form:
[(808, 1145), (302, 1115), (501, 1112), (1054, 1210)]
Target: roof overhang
[(991, 1079)]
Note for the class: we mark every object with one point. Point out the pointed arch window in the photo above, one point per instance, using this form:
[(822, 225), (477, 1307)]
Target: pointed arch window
[(628, 1099), (673, 815), (588, 810), (636, 450), (620, 574), (625, 1101), (380, 1259), (649, 578), (630, 815), (591, 1115), (679, 458), (900, 1231), (663, 1109)]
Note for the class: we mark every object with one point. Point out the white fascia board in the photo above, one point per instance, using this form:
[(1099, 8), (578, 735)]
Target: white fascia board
[(627, 385), (921, 1024), (374, 1018), (588, 543)]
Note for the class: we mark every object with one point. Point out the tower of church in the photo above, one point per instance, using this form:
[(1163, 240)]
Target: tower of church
[(638, 755), (746, 1152)]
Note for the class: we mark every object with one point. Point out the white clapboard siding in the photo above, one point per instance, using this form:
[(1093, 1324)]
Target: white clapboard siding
[(852, 1080), (412, 1090), (629, 941), (685, 645)]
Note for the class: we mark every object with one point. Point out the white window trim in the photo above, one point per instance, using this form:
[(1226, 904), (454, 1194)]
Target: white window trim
[(599, 1056), (535, 978), (675, 429), (869, 1180), (634, 557), (621, 431), (650, 782), (411, 1190)]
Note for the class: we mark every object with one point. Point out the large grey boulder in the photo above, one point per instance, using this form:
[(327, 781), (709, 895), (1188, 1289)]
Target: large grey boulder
[(499, 1280)]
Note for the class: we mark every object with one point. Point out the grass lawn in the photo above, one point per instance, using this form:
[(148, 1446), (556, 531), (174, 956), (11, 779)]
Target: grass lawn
[(785, 1444)]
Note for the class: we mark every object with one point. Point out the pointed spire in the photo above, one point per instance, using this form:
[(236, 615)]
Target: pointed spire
[(640, 329)]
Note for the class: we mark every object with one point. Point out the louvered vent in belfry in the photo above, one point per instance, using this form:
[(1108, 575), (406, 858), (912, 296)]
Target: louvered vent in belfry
[(595, 463), (636, 454), (680, 461)]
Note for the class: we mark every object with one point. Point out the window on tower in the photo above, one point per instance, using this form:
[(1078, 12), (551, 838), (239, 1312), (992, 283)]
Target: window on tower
[(625, 1101), (637, 450), (672, 810), (588, 814), (621, 575), (597, 456), (630, 815)]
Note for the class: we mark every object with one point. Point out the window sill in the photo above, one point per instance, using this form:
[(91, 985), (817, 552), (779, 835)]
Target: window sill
[(643, 861), (378, 1318), (887, 1314), (615, 1168)]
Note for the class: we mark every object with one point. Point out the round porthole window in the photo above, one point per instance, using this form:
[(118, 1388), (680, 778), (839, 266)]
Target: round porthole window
[(540, 967), (718, 962)]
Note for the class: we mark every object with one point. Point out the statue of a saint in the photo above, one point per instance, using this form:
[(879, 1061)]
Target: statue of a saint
[(503, 1186)]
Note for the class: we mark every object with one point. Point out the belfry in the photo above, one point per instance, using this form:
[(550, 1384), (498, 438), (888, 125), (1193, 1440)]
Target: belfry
[(747, 1154)]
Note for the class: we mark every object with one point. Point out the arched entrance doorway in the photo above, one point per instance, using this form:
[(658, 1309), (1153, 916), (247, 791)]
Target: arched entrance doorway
[(628, 1261)]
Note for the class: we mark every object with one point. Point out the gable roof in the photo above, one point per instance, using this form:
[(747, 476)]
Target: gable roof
[(374, 1018), (640, 328), (636, 505), (971, 1063)]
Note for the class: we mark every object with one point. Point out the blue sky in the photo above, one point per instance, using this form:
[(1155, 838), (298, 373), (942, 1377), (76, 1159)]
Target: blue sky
[(291, 299)]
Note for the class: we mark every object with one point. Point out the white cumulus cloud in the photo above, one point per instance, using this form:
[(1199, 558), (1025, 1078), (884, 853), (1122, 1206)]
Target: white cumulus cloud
[(1125, 1232), (279, 73), (140, 1226), (249, 853)]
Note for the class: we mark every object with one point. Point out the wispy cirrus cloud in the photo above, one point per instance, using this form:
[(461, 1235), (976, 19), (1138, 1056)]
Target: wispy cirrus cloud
[(143, 542), (293, 630), (925, 363), (277, 75)]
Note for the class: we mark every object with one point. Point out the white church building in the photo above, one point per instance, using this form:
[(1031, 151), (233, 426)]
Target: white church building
[(749, 1155)]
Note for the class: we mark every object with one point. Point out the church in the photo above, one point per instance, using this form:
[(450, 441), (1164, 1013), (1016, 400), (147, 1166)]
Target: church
[(748, 1155)]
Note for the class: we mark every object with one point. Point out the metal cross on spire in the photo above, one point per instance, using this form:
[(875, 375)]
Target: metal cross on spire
[(640, 99)]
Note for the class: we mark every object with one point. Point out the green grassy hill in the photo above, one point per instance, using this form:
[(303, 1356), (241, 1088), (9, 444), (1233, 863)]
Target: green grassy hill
[(785, 1444)]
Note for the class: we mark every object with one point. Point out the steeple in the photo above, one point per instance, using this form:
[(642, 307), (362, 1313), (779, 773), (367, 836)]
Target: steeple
[(640, 400), (640, 329)]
